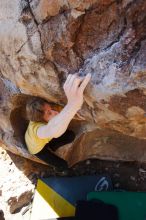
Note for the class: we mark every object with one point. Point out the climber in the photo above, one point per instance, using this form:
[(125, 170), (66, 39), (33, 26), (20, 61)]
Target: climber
[(47, 129)]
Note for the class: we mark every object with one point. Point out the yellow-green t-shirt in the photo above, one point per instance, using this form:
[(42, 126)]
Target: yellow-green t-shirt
[(33, 142)]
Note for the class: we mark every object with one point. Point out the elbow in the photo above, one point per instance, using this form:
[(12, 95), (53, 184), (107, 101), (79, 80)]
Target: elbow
[(56, 135)]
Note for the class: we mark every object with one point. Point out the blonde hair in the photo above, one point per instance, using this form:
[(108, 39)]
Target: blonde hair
[(35, 109)]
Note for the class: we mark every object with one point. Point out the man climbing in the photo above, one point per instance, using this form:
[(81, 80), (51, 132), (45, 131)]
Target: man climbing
[(47, 129)]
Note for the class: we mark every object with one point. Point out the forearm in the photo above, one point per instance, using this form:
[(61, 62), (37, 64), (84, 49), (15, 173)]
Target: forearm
[(74, 87), (58, 125)]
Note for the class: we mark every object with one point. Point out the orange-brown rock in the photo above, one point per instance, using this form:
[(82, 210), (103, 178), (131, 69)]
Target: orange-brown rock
[(42, 41)]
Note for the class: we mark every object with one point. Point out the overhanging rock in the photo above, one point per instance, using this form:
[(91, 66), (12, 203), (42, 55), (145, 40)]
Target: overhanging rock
[(41, 42)]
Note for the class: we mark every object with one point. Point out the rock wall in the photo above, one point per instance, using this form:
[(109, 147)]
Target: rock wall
[(42, 41)]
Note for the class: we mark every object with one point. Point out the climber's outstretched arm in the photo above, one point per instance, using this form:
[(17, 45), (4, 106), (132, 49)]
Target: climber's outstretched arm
[(74, 88)]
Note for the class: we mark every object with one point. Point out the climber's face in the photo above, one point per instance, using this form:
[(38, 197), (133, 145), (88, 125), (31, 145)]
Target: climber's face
[(48, 112)]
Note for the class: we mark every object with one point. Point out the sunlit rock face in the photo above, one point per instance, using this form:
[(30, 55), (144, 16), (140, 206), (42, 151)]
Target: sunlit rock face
[(42, 41)]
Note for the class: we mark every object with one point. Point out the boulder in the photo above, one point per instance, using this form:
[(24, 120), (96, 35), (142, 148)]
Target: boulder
[(41, 42)]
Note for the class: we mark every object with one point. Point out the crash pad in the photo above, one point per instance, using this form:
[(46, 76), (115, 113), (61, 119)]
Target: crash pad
[(131, 205), (56, 196)]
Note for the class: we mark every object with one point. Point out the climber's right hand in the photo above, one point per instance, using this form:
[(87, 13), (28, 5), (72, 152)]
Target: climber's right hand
[(74, 87)]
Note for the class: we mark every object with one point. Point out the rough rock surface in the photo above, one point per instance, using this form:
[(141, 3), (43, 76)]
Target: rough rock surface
[(16, 189), (41, 42)]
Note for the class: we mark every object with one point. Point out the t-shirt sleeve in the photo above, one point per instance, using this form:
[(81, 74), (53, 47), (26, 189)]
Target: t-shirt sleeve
[(35, 128)]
